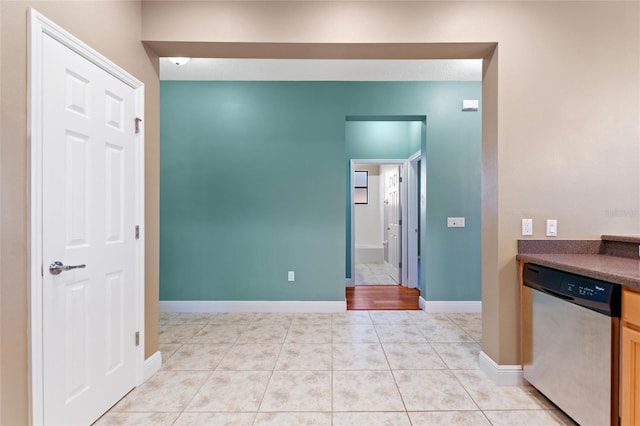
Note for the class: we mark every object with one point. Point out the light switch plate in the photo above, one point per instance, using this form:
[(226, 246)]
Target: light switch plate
[(291, 276), (455, 222), (552, 228)]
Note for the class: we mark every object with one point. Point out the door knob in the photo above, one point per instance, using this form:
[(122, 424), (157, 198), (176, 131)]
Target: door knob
[(57, 267)]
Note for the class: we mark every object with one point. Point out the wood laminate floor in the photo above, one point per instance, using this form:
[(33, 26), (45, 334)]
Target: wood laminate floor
[(382, 297)]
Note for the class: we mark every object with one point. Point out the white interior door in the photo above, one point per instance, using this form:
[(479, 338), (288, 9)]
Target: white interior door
[(394, 231), (88, 214)]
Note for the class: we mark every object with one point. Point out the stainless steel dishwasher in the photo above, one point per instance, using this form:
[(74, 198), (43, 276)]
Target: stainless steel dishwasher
[(571, 327)]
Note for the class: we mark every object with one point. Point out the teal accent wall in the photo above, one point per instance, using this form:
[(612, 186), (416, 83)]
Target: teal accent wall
[(253, 184), (451, 257)]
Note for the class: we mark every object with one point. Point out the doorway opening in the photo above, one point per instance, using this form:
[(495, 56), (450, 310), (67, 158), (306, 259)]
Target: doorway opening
[(379, 246), (384, 198)]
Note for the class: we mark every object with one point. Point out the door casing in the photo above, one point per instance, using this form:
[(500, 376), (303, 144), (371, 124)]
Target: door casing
[(39, 25), (409, 214)]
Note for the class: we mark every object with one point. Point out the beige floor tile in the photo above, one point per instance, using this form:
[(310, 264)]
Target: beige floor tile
[(231, 391), (309, 333), (359, 356), (466, 319), (365, 391), (371, 419), (197, 357), (528, 418), (489, 396), (167, 350), (354, 333), (459, 356), (264, 333), (304, 356), (476, 335), (176, 318), (399, 333), (137, 419), (280, 318), (180, 333), (164, 391), (232, 317), (217, 419), (298, 391), (449, 418), (416, 315), (431, 320), (311, 318), (351, 317), (283, 419), (251, 357), (219, 333), (471, 323), (390, 317), (430, 390), (444, 333), (412, 356)]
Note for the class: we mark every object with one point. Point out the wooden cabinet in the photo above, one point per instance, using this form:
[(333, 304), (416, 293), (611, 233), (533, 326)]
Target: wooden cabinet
[(630, 359)]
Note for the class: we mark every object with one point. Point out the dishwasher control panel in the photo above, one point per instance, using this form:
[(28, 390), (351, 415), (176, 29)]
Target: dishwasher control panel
[(599, 296), (587, 290)]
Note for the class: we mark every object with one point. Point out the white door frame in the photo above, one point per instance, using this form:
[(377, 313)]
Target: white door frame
[(409, 212), (39, 26), (412, 220)]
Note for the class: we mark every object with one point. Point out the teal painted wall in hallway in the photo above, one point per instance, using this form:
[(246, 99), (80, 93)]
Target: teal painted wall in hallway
[(253, 184)]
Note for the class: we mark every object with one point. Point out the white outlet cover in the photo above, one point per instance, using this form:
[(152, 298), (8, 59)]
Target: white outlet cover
[(455, 222), (527, 226)]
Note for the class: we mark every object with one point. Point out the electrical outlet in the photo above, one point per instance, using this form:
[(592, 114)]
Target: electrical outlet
[(291, 276), (455, 222), (552, 228), (527, 226)]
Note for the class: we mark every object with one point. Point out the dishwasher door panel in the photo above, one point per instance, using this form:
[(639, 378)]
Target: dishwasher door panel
[(567, 356)]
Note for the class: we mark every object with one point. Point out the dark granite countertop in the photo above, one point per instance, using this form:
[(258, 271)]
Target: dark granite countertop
[(592, 258), (618, 270)]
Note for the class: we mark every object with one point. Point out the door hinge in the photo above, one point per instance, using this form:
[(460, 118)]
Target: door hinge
[(137, 232), (137, 124), (400, 222), (400, 265), (400, 179), (137, 338)]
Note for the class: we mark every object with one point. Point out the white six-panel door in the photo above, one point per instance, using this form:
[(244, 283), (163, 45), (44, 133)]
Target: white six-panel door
[(88, 213), (392, 189)]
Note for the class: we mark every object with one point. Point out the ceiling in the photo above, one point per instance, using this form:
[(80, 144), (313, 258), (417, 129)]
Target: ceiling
[(323, 69)]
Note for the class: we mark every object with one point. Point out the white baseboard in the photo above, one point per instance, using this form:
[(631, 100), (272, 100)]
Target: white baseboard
[(151, 365), (450, 306), (347, 282), (252, 306), (503, 375)]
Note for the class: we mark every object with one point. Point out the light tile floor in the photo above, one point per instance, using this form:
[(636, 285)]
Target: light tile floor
[(354, 368), (373, 274)]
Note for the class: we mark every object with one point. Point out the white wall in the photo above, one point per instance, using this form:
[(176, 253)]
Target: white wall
[(368, 217)]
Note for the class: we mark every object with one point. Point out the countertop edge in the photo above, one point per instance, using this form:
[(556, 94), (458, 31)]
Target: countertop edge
[(622, 238), (547, 260)]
